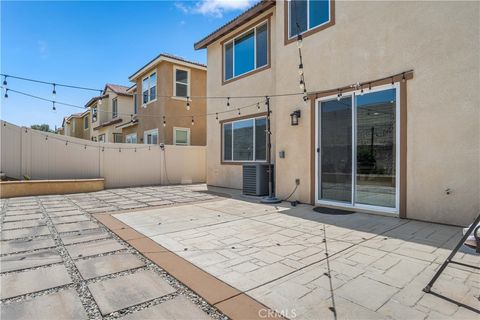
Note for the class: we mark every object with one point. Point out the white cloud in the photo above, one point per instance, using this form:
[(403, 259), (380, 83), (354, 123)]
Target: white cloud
[(42, 48), (215, 8)]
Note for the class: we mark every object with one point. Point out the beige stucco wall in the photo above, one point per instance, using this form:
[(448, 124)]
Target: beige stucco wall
[(174, 110), (371, 40), (104, 114), (261, 83)]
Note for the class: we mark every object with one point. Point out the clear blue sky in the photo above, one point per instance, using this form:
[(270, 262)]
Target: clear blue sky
[(91, 43)]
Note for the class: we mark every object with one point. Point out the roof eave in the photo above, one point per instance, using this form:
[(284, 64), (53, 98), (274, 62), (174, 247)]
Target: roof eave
[(235, 23)]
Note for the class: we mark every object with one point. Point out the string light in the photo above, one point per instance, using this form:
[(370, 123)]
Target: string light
[(6, 93), (53, 106), (188, 104), (393, 83), (370, 86), (339, 95), (216, 116), (164, 121), (258, 105), (299, 41), (300, 69), (239, 113), (193, 121), (403, 77), (100, 100), (54, 92), (302, 84), (361, 91), (5, 80), (228, 103)]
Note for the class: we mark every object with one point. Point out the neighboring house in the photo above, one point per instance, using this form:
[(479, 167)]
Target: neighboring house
[(161, 88), (76, 125), (113, 108), (410, 148)]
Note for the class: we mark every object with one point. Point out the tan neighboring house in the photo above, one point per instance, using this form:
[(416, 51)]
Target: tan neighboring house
[(161, 89), (76, 125), (392, 121), (113, 108)]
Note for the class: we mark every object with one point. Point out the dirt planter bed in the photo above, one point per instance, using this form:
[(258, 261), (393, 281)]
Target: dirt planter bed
[(10, 189)]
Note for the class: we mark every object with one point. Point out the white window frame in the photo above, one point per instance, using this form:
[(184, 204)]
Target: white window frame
[(175, 68), (149, 87), (308, 19), (175, 129), (147, 132), (114, 107), (353, 203), (105, 138), (130, 136), (254, 149), (254, 51)]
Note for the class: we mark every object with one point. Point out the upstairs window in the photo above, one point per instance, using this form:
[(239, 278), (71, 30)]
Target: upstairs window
[(305, 15), (135, 107), (149, 88), (114, 108), (181, 82), (247, 52), (85, 122), (94, 114)]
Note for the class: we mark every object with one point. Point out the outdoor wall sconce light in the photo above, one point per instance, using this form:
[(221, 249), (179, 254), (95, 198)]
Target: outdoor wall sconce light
[(294, 117)]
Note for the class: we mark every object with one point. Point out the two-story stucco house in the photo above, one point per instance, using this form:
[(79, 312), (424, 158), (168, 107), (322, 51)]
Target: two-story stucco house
[(392, 120), (170, 102), (76, 125), (108, 111)]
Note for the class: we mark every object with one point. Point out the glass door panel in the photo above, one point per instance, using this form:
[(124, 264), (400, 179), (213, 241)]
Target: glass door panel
[(375, 182), (335, 161)]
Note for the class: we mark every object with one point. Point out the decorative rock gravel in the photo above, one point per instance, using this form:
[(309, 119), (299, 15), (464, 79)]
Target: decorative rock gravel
[(73, 253)]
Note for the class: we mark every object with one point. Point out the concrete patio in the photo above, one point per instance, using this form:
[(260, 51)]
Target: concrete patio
[(274, 254)]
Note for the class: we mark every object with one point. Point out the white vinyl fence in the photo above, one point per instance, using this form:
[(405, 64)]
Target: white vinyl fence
[(40, 155)]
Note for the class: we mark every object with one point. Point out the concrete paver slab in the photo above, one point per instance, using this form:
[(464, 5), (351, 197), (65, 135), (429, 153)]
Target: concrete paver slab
[(119, 293), (70, 218), (10, 218), (84, 235), (24, 233), (12, 246), (61, 305), (29, 260), (75, 226), (93, 248), (23, 224), (179, 308), (15, 284), (100, 266)]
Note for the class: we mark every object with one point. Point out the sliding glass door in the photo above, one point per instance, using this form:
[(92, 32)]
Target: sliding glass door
[(357, 150)]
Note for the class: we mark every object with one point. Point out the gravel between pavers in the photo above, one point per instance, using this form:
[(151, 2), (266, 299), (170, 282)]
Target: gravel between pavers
[(81, 285)]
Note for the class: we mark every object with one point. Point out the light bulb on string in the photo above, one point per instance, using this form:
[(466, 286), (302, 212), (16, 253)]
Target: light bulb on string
[(100, 98), (228, 103), (361, 90), (54, 92), (339, 95), (164, 121), (188, 104), (258, 105), (302, 84), (216, 116), (393, 83), (193, 121), (403, 77), (370, 86), (300, 69), (6, 93), (239, 113), (53, 106), (299, 41), (4, 80)]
